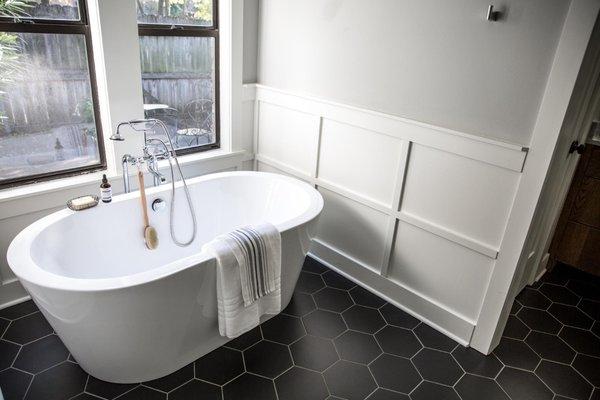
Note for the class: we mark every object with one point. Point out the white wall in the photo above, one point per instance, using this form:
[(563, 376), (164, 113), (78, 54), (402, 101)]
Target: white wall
[(434, 61)]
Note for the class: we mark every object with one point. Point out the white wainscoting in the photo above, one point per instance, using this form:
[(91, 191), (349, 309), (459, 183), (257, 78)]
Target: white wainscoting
[(412, 211)]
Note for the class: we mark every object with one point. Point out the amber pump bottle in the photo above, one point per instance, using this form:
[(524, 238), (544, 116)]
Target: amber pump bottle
[(105, 190)]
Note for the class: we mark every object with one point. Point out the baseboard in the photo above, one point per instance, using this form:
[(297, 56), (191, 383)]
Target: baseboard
[(434, 315), (11, 293)]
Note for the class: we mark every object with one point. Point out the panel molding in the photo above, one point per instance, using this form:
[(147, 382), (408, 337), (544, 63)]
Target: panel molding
[(449, 318), (495, 152), (431, 312), (431, 227)]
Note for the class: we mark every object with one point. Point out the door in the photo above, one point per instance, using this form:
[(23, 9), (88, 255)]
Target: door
[(576, 240)]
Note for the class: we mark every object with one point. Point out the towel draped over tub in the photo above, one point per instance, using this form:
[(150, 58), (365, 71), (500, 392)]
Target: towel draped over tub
[(248, 277)]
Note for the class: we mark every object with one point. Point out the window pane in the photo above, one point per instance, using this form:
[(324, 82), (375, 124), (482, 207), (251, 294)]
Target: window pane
[(178, 80), (64, 10), (46, 111), (175, 12)]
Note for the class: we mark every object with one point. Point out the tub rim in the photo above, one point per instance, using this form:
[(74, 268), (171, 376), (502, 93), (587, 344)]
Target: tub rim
[(22, 264)]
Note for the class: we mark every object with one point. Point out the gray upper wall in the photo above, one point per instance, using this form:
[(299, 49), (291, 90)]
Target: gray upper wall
[(250, 40), (434, 61)]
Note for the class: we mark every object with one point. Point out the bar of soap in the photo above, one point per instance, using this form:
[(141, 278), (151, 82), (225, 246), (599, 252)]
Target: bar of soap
[(83, 202)]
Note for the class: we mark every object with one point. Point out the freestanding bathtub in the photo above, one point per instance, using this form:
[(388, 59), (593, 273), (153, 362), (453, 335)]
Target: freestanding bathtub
[(129, 314)]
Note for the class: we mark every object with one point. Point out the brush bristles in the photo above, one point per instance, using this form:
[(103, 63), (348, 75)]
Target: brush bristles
[(151, 237)]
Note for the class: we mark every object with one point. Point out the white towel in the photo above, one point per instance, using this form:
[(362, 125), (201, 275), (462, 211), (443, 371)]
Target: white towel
[(248, 277)]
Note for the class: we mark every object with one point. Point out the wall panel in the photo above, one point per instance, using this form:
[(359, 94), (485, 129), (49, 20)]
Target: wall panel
[(440, 270), (413, 212), (288, 136), (356, 230), (467, 196), (359, 160)]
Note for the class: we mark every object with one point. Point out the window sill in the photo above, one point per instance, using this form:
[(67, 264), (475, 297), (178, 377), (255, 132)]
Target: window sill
[(57, 185)]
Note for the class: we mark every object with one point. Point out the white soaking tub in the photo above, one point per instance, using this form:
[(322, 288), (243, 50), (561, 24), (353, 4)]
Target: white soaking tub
[(129, 314)]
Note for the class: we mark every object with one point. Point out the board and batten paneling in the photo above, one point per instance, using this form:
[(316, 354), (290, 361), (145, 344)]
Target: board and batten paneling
[(413, 212)]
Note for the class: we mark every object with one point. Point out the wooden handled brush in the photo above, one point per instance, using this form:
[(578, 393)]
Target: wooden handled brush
[(150, 234)]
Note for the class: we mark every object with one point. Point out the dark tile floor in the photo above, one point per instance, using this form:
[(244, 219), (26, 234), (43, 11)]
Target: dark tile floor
[(338, 341)]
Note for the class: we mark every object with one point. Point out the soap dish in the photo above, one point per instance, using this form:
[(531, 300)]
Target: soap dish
[(83, 202)]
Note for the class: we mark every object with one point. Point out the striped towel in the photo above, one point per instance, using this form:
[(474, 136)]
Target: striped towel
[(248, 277), (257, 270)]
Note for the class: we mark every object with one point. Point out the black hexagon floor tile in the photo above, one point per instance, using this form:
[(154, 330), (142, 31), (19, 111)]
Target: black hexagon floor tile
[(219, 366), (515, 328), (246, 340), (563, 380), (18, 310), (570, 315), (4, 323), (357, 346), (384, 394), (591, 308), (363, 319), (539, 320), (434, 339), (363, 297), (471, 387), (28, 329), (249, 387), (533, 298), (516, 353), (437, 366), (476, 363), (349, 380), (58, 383), (395, 373), (312, 265), (550, 347), (398, 341), (523, 385), (377, 352), (14, 383), (589, 367), (41, 354), (514, 309), (8, 353), (587, 290), (314, 353), (196, 389), (143, 393), (283, 329), (431, 390), (107, 390), (335, 280), (324, 324), (582, 341), (332, 299), (309, 283), (395, 316), (300, 305), (559, 294), (171, 381), (596, 328), (268, 359), (301, 384)]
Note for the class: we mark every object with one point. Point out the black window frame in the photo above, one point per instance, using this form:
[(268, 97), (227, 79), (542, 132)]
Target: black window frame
[(145, 29), (81, 26)]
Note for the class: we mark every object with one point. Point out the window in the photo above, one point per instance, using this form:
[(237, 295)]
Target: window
[(179, 47), (49, 121)]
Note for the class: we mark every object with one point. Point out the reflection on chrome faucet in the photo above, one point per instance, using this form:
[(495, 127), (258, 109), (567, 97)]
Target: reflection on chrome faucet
[(153, 151)]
